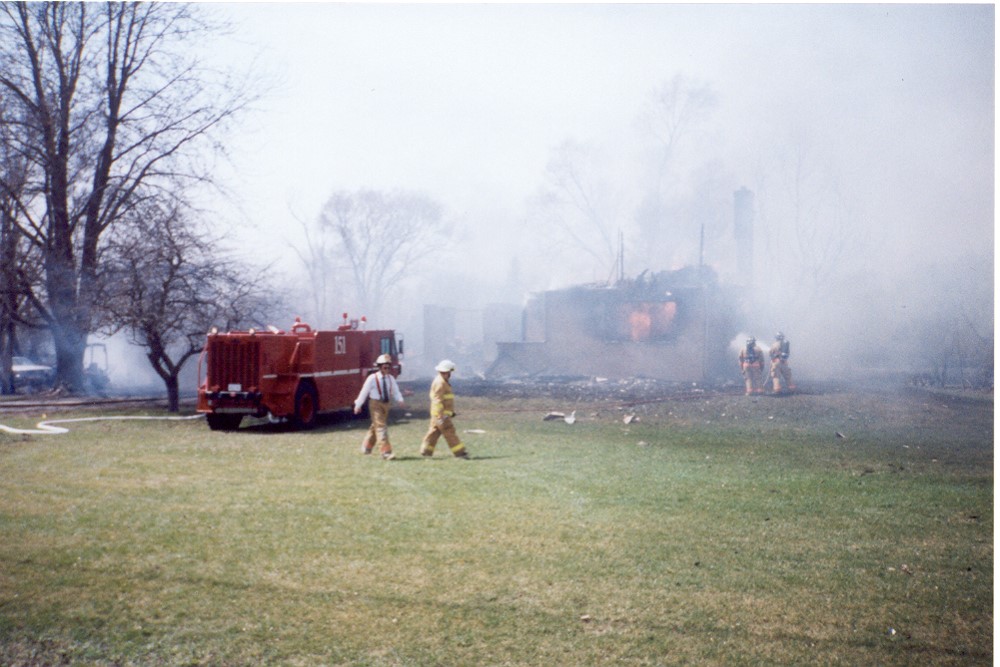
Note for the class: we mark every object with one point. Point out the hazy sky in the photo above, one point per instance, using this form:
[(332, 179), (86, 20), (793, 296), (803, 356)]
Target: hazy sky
[(466, 102)]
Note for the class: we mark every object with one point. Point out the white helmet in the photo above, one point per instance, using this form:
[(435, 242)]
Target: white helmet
[(383, 359), (446, 366)]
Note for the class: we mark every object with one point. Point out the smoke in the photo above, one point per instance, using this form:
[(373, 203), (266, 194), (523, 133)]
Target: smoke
[(864, 132), (126, 365)]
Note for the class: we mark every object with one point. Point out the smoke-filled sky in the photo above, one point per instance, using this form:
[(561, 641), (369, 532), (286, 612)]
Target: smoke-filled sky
[(892, 103)]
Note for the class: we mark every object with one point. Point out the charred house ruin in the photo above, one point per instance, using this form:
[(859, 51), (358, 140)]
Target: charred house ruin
[(672, 325), (669, 325)]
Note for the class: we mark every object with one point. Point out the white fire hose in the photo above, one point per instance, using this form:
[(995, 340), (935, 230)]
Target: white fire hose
[(46, 427)]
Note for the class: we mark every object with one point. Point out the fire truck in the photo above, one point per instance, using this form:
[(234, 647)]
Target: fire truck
[(288, 375)]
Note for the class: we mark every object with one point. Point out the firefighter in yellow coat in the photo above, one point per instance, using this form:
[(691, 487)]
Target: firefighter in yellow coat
[(781, 373), (752, 366), (442, 411)]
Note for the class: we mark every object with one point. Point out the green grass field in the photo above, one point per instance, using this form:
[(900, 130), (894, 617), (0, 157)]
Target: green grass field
[(719, 531)]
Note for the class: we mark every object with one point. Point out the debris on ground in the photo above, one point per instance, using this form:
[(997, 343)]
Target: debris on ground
[(553, 416)]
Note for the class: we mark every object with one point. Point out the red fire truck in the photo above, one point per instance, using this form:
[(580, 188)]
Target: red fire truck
[(292, 375)]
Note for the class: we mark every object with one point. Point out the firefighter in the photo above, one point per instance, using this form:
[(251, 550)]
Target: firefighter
[(442, 412), (380, 389), (752, 366), (781, 372)]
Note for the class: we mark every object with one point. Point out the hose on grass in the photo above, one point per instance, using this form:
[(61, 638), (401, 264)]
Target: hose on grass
[(48, 427)]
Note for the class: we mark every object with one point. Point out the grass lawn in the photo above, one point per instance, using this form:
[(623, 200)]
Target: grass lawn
[(717, 530)]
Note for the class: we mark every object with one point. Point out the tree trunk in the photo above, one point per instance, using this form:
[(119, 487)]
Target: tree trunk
[(173, 393), (6, 354), (70, 345), (8, 301), (69, 334)]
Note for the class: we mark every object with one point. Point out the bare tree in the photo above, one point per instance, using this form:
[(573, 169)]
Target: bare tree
[(669, 214), (381, 238), (167, 284), (951, 339), (9, 293), (584, 208), (112, 106), (20, 275), (812, 231), (318, 259), (674, 110), (9, 254), (578, 209)]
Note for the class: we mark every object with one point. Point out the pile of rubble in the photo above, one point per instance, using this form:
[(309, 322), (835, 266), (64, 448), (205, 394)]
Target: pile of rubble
[(571, 388)]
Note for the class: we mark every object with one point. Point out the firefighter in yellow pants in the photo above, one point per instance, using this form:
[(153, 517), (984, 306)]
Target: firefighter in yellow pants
[(442, 411), (379, 390), (781, 372), (752, 366)]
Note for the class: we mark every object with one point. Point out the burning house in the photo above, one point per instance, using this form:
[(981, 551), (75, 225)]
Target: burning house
[(675, 326), (672, 325)]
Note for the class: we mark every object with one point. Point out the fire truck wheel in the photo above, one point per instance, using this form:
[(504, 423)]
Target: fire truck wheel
[(306, 402), (223, 422)]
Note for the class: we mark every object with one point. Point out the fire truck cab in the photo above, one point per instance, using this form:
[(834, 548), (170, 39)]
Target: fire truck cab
[(293, 375)]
